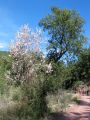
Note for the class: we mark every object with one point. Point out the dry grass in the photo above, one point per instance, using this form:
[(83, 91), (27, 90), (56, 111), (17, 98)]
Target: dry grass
[(59, 101)]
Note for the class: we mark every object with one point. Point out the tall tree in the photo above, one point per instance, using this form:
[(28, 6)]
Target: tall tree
[(82, 71), (65, 29)]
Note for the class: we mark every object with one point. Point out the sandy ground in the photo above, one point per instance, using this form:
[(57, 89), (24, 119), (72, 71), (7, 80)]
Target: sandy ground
[(76, 112)]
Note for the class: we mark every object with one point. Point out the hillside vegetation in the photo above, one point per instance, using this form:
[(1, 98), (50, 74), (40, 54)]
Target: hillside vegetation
[(5, 64)]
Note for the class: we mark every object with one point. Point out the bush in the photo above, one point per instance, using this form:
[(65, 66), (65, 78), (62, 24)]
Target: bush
[(16, 94), (59, 101), (28, 71), (76, 100), (34, 106)]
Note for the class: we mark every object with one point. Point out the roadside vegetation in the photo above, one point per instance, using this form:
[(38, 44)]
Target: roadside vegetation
[(32, 85)]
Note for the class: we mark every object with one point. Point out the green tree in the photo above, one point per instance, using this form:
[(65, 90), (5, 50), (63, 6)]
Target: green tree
[(65, 29), (78, 72), (82, 71), (5, 65)]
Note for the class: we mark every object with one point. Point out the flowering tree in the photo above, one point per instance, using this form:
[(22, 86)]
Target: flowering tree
[(29, 69), (26, 41), (28, 58)]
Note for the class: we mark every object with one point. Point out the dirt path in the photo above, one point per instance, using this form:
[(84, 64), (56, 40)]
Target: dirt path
[(76, 112)]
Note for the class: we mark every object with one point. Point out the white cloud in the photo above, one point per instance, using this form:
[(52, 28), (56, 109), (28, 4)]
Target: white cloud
[(1, 45)]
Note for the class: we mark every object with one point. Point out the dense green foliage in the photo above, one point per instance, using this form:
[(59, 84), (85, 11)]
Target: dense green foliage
[(5, 65), (78, 72), (82, 67), (33, 88), (4, 61), (65, 30), (56, 78)]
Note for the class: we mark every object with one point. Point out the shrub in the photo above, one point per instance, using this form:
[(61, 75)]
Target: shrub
[(76, 100), (59, 101), (28, 71)]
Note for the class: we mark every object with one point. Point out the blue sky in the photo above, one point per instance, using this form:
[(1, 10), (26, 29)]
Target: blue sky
[(14, 13)]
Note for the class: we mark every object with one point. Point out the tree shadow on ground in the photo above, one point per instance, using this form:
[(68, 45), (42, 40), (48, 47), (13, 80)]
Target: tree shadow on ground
[(84, 115), (84, 103), (59, 116), (71, 116)]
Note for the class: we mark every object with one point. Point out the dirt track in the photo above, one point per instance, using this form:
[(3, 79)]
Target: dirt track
[(77, 112)]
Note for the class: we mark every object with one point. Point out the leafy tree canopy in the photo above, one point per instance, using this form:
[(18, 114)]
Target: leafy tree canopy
[(83, 66), (65, 29)]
